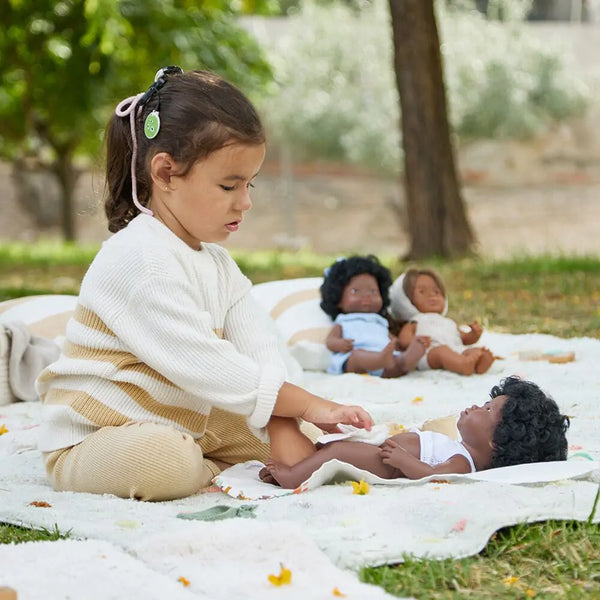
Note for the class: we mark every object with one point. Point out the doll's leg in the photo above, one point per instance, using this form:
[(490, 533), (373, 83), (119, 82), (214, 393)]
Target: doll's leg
[(363, 361), (145, 461), (443, 357), (363, 456), (404, 363)]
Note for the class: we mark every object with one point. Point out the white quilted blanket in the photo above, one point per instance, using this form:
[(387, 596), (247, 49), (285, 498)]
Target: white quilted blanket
[(322, 535)]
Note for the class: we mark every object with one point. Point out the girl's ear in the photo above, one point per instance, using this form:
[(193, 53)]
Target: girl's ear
[(162, 166)]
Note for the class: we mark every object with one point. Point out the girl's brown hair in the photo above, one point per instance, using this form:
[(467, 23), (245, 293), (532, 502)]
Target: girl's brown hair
[(410, 280), (200, 113)]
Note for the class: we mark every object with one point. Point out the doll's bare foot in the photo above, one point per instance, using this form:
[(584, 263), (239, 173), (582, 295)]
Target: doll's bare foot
[(266, 477), (388, 360), (484, 362), (469, 361), (416, 349), (280, 473)]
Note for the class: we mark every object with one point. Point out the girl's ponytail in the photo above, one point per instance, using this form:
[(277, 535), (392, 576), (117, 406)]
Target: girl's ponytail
[(118, 206)]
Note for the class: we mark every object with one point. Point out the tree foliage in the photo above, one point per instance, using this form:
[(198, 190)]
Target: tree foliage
[(63, 66)]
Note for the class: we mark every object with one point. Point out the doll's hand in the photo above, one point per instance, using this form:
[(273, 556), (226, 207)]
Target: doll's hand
[(344, 345), (393, 454), (424, 339), (474, 333)]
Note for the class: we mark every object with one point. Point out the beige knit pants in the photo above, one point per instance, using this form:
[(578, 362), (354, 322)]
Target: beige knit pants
[(149, 461)]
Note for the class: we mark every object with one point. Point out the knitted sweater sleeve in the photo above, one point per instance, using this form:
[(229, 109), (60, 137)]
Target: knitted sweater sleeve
[(167, 326), (245, 320)]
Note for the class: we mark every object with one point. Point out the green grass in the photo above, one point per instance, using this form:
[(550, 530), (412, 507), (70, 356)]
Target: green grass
[(541, 294), (559, 295), (551, 559), (13, 534)]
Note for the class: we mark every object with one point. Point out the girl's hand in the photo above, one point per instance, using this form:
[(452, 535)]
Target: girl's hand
[(326, 415)]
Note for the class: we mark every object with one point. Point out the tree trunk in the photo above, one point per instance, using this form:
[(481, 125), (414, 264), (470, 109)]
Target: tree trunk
[(67, 177), (437, 221)]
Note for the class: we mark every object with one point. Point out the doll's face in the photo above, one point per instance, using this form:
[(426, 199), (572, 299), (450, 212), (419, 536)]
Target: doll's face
[(478, 423), (361, 294), (427, 296)]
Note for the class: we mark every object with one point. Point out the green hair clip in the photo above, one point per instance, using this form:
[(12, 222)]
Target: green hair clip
[(152, 125)]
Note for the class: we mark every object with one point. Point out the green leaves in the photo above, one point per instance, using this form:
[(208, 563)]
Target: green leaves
[(64, 65)]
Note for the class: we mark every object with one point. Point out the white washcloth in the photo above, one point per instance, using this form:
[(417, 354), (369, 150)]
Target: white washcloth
[(377, 435)]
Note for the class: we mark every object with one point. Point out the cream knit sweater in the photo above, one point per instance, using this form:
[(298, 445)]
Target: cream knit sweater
[(161, 333)]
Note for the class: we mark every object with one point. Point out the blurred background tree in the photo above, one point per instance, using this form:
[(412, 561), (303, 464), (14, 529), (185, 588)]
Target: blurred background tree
[(437, 219), (331, 102), (65, 64), (323, 79)]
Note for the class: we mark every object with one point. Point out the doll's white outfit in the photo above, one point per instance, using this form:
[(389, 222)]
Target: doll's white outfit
[(437, 448), (370, 331), (441, 329)]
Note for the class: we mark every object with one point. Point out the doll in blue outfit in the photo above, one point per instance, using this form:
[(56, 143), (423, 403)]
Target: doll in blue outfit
[(355, 294)]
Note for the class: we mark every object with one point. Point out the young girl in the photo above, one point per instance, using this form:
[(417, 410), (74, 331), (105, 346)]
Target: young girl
[(418, 297), (166, 375), (355, 294), (520, 424)]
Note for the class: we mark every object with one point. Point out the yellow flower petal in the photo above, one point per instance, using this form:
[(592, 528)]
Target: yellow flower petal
[(530, 593), (510, 580), (360, 487), (284, 577), (3, 429), (183, 581), (338, 594), (417, 400), (394, 428)]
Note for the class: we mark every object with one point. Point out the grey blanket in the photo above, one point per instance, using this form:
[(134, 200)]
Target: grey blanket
[(28, 355)]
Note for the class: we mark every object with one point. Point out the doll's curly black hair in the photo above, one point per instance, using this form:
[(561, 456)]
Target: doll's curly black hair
[(531, 428), (340, 273)]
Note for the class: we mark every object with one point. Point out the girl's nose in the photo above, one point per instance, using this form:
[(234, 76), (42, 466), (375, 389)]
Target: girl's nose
[(245, 201)]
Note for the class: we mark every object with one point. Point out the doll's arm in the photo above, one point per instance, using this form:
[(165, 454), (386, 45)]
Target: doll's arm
[(361, 455), (474, 333), (394, 455), (406, 335), (336, 343)]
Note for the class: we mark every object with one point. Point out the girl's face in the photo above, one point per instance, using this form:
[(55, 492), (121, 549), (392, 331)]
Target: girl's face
[(209, 203), (427, 296), (361, 294), (478, 423)]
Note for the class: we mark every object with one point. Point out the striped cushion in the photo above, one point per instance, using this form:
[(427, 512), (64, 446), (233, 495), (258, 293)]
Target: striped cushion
[(46, 316), (294, 306)]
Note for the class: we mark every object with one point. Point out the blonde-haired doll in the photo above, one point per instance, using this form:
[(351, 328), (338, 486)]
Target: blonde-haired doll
[(418, 298)]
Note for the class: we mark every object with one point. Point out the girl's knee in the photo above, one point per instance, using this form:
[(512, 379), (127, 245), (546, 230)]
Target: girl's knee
[(145, 461)]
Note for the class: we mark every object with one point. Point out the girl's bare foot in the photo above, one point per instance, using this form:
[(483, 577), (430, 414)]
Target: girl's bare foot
[(484, 362)]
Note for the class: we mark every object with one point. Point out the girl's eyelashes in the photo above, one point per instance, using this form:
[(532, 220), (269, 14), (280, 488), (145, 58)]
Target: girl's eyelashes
[(231, 188)]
